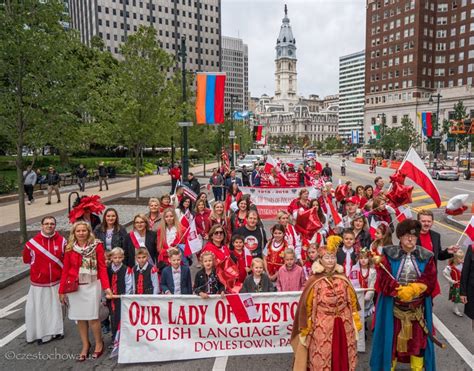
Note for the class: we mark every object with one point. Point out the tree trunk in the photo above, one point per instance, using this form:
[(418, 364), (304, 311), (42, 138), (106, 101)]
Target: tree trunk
[(63, 157), (21, 193), (137, 171)]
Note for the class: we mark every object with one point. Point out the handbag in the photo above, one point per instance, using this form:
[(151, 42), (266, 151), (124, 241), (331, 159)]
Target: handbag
[(71, 285), (103, 312)]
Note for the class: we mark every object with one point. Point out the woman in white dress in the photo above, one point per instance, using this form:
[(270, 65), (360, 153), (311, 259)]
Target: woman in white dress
[(80, 289)]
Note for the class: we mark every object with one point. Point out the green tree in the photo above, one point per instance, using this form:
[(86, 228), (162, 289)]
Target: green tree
[(141, 100), (36, 72), (460, 114)]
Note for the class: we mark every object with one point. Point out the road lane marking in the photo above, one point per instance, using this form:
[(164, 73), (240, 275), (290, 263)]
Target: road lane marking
[(418, 190), (454, 342), (12, 335), (419, 198), (220, 364), (430, 206), (4, 312), (465, 190)]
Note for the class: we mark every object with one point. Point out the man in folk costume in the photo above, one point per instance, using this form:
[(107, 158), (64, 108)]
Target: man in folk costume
[(327, 319), (405, 282), (44, 252)]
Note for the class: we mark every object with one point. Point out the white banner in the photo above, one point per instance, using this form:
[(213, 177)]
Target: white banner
[(156, 328), (270, 200)]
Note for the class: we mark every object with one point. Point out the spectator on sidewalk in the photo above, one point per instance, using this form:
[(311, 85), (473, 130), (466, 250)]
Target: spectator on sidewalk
[(44, 253), (175, 173), (52, 180), (217, 182), (29, 181), (233, 179), (81, 174), (193, 183), (103, 174), (245, 176)]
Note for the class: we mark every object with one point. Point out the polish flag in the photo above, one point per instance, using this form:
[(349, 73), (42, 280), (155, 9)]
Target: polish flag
[(273, 164), (469, 233), (403, 213), (243, 307), (248, 257), (192, 242), (335, 215), (373, 226), (414, 168)]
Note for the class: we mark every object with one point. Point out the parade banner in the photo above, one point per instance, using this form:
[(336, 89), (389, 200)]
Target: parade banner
[(292, 180), (270, 200), (157, 328)]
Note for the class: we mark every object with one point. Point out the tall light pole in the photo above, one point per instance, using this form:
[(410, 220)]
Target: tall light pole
[(185, 159), (436, 136), (232, 132)]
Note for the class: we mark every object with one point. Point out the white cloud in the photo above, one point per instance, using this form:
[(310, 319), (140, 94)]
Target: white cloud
[(324, 30)]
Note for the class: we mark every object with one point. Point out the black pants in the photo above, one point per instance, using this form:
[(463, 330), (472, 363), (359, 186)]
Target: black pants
[(173, 185), (114, 316), (29, 191)]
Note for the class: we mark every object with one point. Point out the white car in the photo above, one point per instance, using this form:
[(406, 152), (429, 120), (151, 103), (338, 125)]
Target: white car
[(444, 172)]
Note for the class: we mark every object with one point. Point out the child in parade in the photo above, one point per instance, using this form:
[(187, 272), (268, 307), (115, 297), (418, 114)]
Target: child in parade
[(383, 237), (206, 281), (452, 273), (145, 274), (362, 235), (327, 318), (293, 238), (290, 277), (258, 281), (275, 251), (241, 256), (176, 278), (366, 280), (169, 235), (346, 256), (311, 256), (121, 283)]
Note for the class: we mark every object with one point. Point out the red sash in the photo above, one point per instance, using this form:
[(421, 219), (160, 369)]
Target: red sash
[(134, 240)]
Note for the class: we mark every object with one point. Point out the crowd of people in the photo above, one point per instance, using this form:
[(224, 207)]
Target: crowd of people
[(326, 258)]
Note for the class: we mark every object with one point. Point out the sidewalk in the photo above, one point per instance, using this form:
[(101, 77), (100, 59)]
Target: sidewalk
[(459, 221), (9, 213)]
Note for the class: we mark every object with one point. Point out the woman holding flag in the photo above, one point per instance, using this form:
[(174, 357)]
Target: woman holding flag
[(302, 202), (292, 238)]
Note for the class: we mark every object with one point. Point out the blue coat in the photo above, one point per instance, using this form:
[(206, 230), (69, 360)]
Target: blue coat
[(167, 283)]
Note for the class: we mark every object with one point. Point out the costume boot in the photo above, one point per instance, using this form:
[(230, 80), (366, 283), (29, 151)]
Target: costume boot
[(394, 364), (416, 363)]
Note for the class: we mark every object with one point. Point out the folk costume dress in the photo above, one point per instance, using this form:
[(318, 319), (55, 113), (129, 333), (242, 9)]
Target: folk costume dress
[(452, 273), (401, 328), (274, 254), (45, 256), (172, 239), (324, 332)]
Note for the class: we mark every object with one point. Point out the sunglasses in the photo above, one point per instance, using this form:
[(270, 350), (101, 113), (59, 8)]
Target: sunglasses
[(219, 232)]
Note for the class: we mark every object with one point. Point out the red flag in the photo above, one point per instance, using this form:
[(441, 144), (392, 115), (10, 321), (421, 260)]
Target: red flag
[(243, 307), (192, 242), (403, 213), (373, 226), (469, 233), (414, 168), (399, 194), (308, 223), (228, 273), (335, 215)]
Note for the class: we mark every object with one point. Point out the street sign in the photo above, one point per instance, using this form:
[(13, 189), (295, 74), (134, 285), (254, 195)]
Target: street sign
[(232, 134), (183, 124)]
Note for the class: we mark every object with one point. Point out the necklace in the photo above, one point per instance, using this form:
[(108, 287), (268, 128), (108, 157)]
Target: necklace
[(277, 246), (362, 273)]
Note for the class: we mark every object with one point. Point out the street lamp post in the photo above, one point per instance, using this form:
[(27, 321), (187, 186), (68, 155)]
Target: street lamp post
[(232, 133), (436, 136), (383, 123), (185, 159), (172, 151)]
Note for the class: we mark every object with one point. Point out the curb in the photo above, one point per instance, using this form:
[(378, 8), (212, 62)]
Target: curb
[(455, 223), (15, 278)]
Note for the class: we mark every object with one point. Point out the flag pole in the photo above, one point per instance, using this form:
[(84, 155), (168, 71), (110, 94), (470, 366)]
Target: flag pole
[(401, 164)]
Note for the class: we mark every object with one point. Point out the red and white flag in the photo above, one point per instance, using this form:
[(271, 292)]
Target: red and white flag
[(414, 168), (187, 191), (332, 210), (243, 307), (469, 233), (403, 213), (273, 164), (192, 242), (373, 226)]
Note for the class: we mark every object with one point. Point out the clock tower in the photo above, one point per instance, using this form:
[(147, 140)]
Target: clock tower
[(285, 66)]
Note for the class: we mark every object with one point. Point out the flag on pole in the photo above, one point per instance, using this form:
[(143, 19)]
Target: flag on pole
[(243, 307), (187, 191), (372, 228), (192, 242), (403, 213), (116, 344), (273, 164), (332, 209), (414, 168), (210, 98), (469, 233)]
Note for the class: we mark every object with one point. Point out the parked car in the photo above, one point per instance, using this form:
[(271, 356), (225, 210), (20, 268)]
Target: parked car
[(249, 163), (444, 172)]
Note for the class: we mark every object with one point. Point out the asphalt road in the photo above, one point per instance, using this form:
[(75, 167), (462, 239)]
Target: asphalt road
[(16, 354)]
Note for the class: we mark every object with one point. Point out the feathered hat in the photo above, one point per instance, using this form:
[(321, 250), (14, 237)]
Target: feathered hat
[(85, 204), (332, 245)]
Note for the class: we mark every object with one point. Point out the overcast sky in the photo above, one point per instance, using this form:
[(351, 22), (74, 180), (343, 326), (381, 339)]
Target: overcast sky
[(324, 30)]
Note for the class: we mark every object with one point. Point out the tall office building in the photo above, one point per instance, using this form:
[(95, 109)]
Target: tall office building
[(235, 65), (351, 94), (113, 20), (416, 49)]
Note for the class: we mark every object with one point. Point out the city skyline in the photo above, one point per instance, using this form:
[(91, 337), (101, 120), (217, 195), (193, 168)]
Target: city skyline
[(319, 44)]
